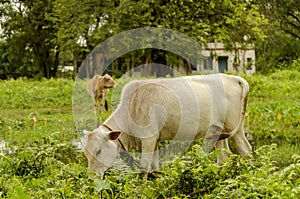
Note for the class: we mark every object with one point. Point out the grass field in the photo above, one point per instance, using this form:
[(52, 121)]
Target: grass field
[(40, 156)]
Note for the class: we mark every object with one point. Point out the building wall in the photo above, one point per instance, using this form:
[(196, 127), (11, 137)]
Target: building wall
[(238, 59)]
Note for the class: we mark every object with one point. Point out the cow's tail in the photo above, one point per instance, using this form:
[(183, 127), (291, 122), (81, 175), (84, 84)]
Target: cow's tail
[(245, 91)]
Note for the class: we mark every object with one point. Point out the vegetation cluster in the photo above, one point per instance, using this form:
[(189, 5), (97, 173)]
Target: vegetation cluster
[(38, 36), (40, 154)]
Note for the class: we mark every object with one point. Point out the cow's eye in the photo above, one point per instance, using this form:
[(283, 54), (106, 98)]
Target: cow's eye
[(98, 152)]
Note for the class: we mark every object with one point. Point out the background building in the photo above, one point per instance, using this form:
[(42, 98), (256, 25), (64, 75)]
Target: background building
[(219, 59)]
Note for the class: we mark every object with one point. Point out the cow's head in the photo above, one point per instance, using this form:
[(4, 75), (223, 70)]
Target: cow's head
[(106, 81), (100, 149)]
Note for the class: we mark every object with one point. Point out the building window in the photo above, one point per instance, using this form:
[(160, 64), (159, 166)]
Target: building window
[(207, 63), (249, 63)]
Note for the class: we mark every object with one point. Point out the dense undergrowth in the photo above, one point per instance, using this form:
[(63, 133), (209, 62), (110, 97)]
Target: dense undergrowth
[(40, 156)]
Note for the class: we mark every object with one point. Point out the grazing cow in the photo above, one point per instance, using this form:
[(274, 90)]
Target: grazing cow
[(184, 108), (98, 88)]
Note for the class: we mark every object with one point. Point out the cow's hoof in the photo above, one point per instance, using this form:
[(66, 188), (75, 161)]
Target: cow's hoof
[(144, 175), (155, 174)]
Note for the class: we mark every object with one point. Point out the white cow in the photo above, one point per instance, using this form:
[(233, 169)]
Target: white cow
[(184, 108), (98, 88)]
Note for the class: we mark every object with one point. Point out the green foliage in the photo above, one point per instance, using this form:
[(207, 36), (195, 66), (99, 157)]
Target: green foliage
[(285, 14), (282, 44), (38, 158), (35, 94), (278, 51), (196, 175), (39, 35), (273, 112), (291, 65), (30, 37), (260, 179), (274, 103)]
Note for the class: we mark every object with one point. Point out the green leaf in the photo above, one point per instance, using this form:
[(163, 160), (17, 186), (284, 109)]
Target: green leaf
[(20, 194), (101, 185)]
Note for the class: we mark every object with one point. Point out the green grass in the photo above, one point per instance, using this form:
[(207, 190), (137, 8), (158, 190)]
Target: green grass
[(39, 158), (273, 112)]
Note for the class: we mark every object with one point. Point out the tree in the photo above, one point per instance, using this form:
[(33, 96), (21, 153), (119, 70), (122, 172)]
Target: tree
[(31, 36), (81, 25), (205, 21), (286, 13), (225, 21), (282, 44), (42, 32)]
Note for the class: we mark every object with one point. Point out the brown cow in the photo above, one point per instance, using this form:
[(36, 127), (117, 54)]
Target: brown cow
[(98, 88)]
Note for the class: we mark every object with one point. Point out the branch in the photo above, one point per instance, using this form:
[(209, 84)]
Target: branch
[(297, 27), (294, 16), (290, 32), (289, 26)]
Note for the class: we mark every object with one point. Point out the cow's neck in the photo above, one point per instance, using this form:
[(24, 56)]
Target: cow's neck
[(111, 123), (124, 139)]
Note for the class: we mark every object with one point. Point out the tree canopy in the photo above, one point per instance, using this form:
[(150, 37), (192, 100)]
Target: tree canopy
[(38, 35)]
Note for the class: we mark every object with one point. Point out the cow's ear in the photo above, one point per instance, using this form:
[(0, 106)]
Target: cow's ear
[(112, 135), (87, 134)]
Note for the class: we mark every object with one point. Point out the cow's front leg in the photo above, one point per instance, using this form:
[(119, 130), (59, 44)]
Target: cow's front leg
[(155, 159), (146, 160), (101, 104), (97, 106), (148, 148)]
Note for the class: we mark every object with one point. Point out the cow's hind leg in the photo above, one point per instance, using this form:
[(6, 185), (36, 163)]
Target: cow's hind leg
[(241, 143), (223, 145), (155, 164)]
